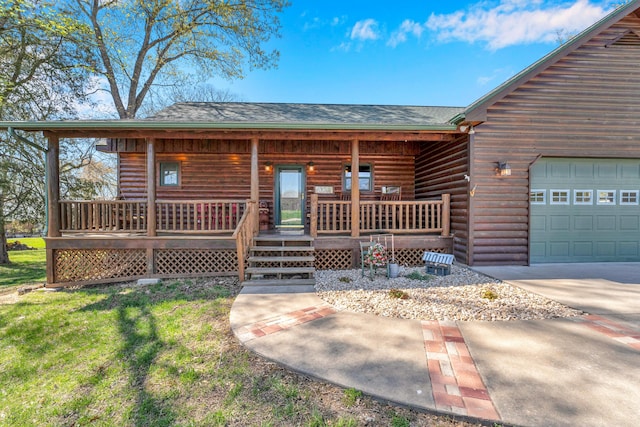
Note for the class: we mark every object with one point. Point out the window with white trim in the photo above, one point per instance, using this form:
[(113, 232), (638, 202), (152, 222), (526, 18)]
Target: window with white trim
[(559, 197), (628, 197), (607, 197), (538, 197), (582, 197)]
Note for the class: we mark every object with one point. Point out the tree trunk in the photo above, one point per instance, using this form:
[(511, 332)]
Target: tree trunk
[(4, 253)]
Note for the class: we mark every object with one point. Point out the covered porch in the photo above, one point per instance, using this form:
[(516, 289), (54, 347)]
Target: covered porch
[(193, 195)]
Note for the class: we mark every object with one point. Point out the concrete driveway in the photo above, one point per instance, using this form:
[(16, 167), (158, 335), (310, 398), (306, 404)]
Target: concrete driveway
[(566, 372)]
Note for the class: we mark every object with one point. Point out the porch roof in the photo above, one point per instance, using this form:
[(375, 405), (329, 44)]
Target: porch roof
[(254, 116)]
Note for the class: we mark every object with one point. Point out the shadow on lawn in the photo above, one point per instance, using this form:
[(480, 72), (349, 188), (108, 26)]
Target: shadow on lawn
[(141, 342)]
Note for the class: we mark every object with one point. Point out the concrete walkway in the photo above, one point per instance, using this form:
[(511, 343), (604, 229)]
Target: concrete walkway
[(563, 372)]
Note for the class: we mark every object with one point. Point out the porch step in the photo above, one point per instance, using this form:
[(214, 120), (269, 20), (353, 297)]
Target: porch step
[(283, 238), (279, 282), (281, 260), (282, 248), (280, 270)]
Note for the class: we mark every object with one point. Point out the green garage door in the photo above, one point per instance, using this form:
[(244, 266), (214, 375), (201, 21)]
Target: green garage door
[(585, 210)]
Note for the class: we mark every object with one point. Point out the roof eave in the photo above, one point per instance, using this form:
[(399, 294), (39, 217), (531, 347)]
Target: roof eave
[(184, 126)]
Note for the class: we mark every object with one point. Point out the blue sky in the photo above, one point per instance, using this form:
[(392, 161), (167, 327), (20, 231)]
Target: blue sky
[(410, 52)]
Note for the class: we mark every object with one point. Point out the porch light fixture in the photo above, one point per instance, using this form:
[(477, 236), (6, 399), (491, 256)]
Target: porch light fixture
[(311, 167), (503, 169), (268, 166)]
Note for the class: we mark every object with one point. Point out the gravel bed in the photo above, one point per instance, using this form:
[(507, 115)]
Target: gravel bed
[(462, 295)]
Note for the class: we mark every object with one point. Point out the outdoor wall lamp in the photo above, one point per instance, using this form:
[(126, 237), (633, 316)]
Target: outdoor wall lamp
[(503, 169), (268, 166), (311, 167)]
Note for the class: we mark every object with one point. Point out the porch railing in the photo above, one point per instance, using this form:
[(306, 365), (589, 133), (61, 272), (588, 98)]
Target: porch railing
[(172, 216), (199, 216), (103, 216), (411, 216)]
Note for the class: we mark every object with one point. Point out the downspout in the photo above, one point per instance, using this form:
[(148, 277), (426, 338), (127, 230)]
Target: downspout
[(24, 140)]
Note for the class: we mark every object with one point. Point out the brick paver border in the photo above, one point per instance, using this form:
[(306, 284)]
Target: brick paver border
[(283, 321), (455, 381), (612, 329)]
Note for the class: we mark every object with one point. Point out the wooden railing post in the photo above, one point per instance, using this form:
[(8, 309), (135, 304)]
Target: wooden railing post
[(313, 226), (446, 215)]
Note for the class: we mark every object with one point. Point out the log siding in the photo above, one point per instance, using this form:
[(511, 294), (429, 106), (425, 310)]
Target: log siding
[(440, 169), (585, 104)]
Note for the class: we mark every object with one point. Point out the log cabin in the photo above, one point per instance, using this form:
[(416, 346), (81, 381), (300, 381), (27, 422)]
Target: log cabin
[(545, 168)]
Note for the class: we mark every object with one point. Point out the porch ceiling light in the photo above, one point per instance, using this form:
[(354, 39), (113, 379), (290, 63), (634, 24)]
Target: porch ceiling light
[(503, 169), (268, 166)]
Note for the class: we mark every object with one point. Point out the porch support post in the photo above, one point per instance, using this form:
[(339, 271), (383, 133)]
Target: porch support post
[(255, 177), (53, 186), (446, 215), (151, 188), (355, 188), (53, 201), (255, 184)]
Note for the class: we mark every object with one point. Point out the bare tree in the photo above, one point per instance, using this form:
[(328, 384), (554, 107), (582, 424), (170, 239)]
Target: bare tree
[(142, 45)]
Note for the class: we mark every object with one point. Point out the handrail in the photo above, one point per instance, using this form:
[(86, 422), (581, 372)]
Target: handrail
[(246, 230)]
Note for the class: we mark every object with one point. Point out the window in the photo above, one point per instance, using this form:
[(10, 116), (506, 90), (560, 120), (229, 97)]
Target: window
[(606, 197), (583, 197), (365, 176), (538, 197), (169, 174), (559, 197), (629, 197)]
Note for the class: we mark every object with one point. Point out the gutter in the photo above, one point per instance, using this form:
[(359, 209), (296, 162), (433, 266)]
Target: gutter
[(24, 140)]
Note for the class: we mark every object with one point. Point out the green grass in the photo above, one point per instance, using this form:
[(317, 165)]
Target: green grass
[(27, 267), (160, 355)]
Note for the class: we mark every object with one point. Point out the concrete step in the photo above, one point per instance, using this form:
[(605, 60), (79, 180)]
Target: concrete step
[(279, 282)]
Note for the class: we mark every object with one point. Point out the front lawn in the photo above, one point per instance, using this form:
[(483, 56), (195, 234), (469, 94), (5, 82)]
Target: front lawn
[(157, 355), (27, 267)]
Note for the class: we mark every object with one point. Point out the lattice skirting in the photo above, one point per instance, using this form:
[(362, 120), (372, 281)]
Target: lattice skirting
[(411, 257), (79, 265), (195, 261), (333, 259), (340, 259)]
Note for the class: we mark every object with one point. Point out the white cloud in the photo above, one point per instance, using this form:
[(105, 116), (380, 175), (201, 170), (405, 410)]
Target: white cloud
[(365, 30), (407, 27), (515, 22)]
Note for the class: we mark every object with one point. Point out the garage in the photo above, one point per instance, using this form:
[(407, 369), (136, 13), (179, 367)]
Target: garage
[(585, 210)]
